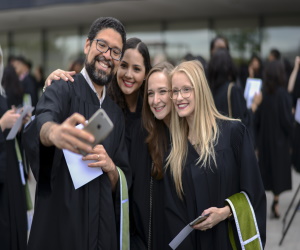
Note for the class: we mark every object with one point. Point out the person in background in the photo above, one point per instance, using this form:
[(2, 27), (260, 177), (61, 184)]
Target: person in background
[(77, 65), (294, 90), (211, 159), (13, 210), (40, 78), (273, 124), (228, 97), (85, 218), (219, 42), (13, 88), (28, 82), (254, 69)]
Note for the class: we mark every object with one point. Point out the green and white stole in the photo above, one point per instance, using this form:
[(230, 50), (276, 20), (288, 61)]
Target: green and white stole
[(124, 215), (245, 222)]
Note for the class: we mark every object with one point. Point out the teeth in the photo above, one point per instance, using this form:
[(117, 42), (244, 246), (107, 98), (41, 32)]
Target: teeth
[(182, 105), (159, 108), (128, 83), (103, 65)]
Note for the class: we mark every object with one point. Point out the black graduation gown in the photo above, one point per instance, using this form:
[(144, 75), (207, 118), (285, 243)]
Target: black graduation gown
[(13, 211), (296, 129), (66, 218), (131, 118), (238, 105), (236, 171), (30, 87), (273, 124), (141, 163)]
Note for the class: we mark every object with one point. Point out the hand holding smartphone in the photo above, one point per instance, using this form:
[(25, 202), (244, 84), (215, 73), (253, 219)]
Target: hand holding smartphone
[(100, 126), (199, 219)]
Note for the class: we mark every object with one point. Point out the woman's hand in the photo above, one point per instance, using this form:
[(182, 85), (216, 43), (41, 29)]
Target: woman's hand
[(8, 119), (216, 216), (59, 74)]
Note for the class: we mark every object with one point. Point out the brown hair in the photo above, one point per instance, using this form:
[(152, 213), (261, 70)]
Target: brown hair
[(157, 140)]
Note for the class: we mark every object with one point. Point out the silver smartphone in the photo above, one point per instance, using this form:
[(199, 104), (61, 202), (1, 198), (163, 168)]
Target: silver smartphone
[(100, 126), (199, 219)]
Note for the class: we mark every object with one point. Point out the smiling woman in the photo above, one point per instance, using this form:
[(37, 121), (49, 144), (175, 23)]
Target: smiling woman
[(211, 159)]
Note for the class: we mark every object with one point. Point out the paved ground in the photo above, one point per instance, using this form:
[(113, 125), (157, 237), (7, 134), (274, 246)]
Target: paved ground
[(274, 227)]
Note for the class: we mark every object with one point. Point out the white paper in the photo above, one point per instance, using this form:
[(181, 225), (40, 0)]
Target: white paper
[(80, 173), (181, 236), (14, 130), (297, 112), (253, 86)]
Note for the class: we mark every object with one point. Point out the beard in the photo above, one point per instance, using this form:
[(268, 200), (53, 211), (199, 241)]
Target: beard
[(99, 76)]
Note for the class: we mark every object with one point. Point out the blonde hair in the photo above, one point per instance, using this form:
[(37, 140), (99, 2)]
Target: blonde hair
[(204, 124)]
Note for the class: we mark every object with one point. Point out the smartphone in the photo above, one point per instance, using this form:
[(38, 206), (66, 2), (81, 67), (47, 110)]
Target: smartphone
[(199, 219), (100, 126)]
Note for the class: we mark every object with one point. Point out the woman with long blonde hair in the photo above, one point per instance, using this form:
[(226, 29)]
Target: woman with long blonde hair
[(211, 159)]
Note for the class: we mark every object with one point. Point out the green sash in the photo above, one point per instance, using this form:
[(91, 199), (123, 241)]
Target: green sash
[(24, 182), (124, 220), (245, 222)]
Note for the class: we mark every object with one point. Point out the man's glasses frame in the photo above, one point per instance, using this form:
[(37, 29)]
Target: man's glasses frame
[(103, 47)]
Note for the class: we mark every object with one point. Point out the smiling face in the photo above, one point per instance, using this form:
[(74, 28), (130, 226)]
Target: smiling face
[(158, 97), (131, 72), (185, 107), (100, 66)]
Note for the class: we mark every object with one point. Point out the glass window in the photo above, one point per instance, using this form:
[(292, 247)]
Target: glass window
[(64, 46), (282, 34), (150, 34), (28, 44), (187, 37), (242, 34)]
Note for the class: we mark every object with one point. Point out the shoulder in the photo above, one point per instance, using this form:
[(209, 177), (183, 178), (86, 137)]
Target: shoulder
[(234, 130)]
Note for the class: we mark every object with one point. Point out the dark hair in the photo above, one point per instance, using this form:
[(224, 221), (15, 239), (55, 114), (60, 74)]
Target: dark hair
[(274, 76), (275, 53), (105, 23), (113, 89), (257, 74), (213, 41), (221, 69), (24, 61), (12, 86), (157, 140)]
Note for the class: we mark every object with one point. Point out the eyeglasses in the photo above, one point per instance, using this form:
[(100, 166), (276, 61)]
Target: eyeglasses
[(103, 47), (184, 91)]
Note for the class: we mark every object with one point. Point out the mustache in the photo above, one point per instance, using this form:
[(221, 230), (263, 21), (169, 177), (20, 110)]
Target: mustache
[(102, 59)]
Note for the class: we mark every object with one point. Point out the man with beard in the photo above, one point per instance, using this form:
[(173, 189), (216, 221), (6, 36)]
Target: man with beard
[(84, 218)]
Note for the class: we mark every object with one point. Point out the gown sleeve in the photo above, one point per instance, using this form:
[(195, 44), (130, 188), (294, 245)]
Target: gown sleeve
[(250, 178), (51, 107)]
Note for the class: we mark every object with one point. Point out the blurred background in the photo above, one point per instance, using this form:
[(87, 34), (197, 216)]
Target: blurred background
[(51, 33)]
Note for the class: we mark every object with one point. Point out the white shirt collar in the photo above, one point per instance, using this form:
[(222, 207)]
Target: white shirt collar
[(89, 81)]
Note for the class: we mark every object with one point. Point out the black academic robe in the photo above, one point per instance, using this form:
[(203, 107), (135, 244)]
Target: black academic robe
[(141, 163), (238, 105), (237, 170), (65, 218), (30, 87), (296, 129), (13, 211), (273, 124), (131, 118)]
